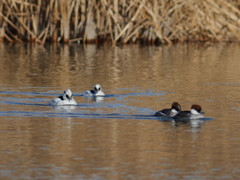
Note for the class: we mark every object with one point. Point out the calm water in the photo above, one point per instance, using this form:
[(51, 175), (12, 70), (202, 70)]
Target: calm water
[(117, 137)]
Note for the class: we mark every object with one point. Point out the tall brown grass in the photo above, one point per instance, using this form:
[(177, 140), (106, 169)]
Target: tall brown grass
[(115, 21)]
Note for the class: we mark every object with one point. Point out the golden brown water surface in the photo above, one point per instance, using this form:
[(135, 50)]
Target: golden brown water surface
[(117, 137)]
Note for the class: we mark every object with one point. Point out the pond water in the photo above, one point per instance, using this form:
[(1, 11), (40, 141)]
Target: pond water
[(117, 137)]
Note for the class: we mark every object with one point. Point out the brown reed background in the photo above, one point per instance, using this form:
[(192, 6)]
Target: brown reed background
[(119, 21)]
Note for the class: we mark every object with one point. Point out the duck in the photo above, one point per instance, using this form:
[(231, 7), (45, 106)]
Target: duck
[(195, 113), (97, 91), (65, 99), (175, 109)]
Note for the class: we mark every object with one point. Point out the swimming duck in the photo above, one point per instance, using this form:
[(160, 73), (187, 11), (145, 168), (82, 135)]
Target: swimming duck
[(97, 91), (65, 99), (195, 113), (176, 108)]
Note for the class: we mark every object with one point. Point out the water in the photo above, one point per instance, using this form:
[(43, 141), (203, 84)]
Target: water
[(117, 137)]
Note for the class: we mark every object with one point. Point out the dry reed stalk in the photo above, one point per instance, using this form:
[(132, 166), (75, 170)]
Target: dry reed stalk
[(35, 17), (130, 23), (110, 12), (54, 18), (21, 19), (2, 23), (110, 30), (23, 3), (155, 23), (45, 35), (122, 12), (83, 13), (134, 33), (123, 21), (98, 17), (24, 27), (76, 40), (8, 21), (115, 4), (76, 17), (233, 22), (65, 23), (90, 33)]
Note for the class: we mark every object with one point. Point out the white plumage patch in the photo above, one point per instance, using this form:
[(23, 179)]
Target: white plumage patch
[(193, 111), (162, 113)]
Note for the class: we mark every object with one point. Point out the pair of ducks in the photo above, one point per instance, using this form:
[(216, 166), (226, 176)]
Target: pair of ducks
[(67, 97), (176, 112)]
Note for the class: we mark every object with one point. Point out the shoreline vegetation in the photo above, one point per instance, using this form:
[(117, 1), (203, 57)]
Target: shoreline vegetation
[(119, 21)]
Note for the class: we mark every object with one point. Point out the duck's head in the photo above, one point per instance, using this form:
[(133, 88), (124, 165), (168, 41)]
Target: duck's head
[(176, 107), (97, 88), (67, 94), (196, 109)]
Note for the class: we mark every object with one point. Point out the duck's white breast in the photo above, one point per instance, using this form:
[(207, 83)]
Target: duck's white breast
[(59, 102)]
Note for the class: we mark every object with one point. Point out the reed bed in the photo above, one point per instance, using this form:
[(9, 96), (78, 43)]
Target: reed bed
[(119, 21)]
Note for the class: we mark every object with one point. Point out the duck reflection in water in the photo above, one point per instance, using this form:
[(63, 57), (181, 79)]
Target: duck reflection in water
[(64, 108), (194, 123), (97, 99)]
